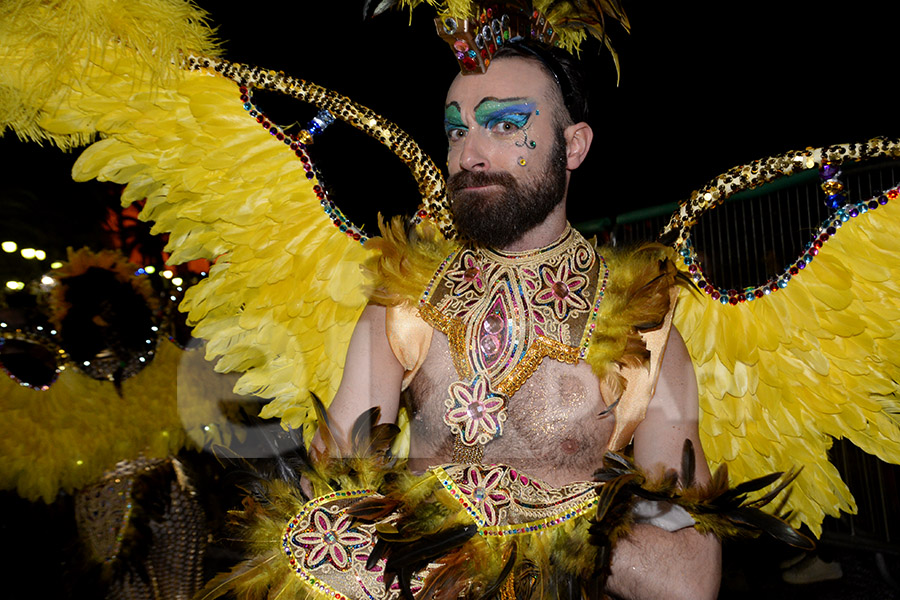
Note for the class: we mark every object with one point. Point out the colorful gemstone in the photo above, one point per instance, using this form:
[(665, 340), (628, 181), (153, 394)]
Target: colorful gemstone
[(489, 345), (493, 324)]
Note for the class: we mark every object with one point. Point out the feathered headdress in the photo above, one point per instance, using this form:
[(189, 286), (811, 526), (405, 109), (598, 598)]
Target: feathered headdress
[(475, 31)]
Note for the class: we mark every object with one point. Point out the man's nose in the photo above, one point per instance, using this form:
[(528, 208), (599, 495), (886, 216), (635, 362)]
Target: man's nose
[(473, 155)]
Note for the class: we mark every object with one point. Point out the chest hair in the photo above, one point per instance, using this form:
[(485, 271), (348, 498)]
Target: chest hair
[(553, 430)]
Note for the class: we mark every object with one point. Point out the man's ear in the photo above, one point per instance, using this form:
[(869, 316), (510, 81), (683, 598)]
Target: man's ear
[(578, 142)]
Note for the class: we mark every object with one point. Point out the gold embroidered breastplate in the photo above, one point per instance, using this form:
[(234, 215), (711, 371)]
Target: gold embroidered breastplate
[(504, 312)]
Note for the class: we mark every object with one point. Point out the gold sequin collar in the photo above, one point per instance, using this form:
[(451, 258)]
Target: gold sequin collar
[(503, 312)]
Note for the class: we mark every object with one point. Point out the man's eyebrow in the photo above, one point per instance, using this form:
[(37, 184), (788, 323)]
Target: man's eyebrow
[(500, 100), (453, 104)]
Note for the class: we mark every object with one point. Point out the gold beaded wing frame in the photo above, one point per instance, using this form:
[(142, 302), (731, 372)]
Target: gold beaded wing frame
[(431, 187)]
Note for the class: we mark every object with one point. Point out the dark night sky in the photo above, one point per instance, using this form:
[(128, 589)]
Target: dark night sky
[(705, 85)]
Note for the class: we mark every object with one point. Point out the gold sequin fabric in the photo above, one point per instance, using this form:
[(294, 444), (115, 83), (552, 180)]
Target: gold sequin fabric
[(503, 314), (505, 501), (103, 510)]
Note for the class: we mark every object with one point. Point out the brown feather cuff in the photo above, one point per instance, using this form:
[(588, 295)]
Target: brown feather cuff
[(716, 508)]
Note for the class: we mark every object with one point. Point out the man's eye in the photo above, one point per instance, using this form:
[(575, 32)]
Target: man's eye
[(456, 134), (505, 127), (509, 123)]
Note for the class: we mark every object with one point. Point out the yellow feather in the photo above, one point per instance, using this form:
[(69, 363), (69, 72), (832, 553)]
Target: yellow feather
[(825, 364), (184, 139)]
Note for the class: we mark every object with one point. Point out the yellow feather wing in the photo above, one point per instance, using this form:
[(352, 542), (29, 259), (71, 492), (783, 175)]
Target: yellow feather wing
[(286, 287), (782, 376)]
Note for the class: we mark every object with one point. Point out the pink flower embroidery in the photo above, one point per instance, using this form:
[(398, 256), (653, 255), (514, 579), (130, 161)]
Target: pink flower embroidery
[(482, 489), (475, 412), (469, 275), (334, 541), (561, 290)]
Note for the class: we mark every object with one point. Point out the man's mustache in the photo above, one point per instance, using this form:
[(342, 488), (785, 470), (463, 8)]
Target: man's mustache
[(465, 179)]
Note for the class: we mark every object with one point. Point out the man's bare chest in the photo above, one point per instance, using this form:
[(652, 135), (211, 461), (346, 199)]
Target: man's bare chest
[(554, 428)]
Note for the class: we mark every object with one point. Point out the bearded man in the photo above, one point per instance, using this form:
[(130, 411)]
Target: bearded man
[(498, 369)]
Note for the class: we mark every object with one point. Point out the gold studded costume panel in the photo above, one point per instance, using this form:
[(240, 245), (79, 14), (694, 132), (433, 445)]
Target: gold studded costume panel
[(503, 314), (621, 339), (325, 548)]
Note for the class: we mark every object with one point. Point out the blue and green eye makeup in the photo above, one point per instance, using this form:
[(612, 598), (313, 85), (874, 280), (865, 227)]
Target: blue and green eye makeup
[(500, 116), (516, 111), (453, 119)]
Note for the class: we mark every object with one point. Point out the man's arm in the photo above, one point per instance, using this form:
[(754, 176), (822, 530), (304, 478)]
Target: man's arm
[(372, 377), (651, 562)]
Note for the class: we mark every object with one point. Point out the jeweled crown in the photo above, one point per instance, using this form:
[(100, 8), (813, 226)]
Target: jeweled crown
[(475, 40)]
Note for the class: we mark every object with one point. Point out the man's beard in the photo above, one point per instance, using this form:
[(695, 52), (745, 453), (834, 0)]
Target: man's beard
[(498, 219)]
